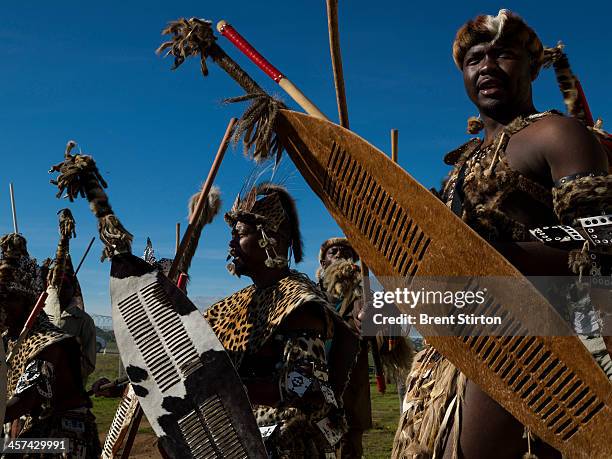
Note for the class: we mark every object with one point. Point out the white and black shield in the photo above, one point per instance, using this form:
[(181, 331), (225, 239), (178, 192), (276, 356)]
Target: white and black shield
[(185, 381)]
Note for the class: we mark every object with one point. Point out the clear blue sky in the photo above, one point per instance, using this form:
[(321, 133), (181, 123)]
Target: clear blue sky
[(87, 71)]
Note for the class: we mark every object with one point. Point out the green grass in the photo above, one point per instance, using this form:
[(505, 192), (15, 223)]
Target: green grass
[(107, 366), (377, 442)]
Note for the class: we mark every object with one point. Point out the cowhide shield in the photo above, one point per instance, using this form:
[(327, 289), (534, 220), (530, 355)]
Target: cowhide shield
[(184, 379), (3, 379), (403, 232)]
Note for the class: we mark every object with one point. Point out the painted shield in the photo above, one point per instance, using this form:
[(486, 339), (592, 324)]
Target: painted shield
[(184, 379), (402, 231)]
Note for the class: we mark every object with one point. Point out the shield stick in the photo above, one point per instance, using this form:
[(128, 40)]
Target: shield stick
[(298, 96), (394, 142), (394, 139), (172, 274), (76, 271), (12, 193), (178, 237), (336, 57)]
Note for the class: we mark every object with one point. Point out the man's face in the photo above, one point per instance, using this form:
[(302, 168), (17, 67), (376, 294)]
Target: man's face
[(337, 252), (498, 78), (247, 256)]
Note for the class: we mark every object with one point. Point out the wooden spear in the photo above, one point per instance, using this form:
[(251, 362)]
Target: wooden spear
[(240, 42), (394, 141), (177, 238), (336, 58), (394, 138), (172, 274), (298, 96)]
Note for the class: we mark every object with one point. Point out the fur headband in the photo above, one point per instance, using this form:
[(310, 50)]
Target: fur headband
[(272, 207), (506, 26), (342, 241)]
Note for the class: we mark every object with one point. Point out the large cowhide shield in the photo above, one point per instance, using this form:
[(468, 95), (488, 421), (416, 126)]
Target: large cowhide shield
[(402, 231), (184, 379)]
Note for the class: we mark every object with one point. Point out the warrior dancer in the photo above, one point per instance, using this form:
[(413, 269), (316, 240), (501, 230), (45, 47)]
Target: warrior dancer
[(45, 391), (64, 305), (276, 331), (532, 169), (340, 278)]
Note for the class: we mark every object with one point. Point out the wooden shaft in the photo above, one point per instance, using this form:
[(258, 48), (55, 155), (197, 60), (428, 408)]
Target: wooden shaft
[(76, 271), (177, 238), (301, 99), (13, 208), (394, 138), (129, 442), (249, 51), (334, 47), (336, 57), (202, 198)]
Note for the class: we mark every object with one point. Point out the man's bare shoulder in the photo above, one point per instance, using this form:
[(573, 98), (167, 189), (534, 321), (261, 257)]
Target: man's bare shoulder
[(566, 144)]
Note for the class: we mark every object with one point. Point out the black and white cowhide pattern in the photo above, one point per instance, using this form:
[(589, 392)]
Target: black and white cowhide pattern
[(184, 379)]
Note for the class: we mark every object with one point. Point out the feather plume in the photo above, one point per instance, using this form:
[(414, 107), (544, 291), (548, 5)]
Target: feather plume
[(192, 37), (288, 203)]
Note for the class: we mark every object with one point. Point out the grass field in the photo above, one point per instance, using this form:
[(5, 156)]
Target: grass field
[(377, 441)]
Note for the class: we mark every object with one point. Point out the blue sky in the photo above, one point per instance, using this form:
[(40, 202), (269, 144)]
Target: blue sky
[(87, 71)]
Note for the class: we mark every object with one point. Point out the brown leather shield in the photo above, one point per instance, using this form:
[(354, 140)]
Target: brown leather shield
[(401, 230)]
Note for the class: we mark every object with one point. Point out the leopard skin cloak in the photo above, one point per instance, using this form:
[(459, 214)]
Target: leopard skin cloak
[(245, 320)]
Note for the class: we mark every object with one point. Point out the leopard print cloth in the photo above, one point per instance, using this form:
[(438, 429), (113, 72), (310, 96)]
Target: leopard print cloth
[(244, 321), (247, 320), (42, 335)]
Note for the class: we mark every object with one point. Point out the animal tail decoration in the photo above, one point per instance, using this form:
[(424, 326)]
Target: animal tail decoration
[(79, 175), (573, 94), (211, 209), (192, 37), (62, 254)]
